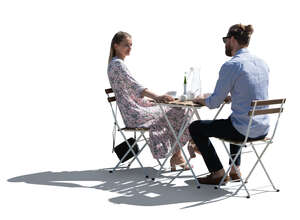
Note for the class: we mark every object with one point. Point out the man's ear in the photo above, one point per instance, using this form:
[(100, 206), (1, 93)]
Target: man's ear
[(234, 41)]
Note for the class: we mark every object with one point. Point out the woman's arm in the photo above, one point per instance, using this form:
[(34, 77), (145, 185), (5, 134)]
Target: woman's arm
[(151, 95)]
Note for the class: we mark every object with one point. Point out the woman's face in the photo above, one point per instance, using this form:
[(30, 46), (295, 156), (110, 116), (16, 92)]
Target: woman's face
[(123, 48)]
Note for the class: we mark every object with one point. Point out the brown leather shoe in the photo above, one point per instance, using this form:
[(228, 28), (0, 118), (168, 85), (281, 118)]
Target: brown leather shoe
[(235, 177), (212, 180)]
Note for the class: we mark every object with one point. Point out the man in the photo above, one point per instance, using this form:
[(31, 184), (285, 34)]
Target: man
[(245, 77)]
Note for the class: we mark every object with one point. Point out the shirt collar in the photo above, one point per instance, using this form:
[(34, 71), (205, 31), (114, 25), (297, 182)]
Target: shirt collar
[(242, 50)]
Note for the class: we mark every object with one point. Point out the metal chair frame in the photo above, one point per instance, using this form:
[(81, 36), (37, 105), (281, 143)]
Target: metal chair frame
[(266, 141), (116, 127)]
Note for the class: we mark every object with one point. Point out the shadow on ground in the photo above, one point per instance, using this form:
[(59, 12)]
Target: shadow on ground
[(131, 185)]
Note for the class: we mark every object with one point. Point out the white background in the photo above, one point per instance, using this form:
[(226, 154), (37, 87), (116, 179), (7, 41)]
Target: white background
[(54, 116)]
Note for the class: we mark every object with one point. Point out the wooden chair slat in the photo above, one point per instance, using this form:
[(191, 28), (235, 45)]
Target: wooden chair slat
[(266, 139), (266, 111), (267, 102), (111, 99), (134, 129), (107, 91)]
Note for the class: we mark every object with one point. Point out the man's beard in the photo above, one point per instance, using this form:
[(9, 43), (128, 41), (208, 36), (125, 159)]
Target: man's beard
[(228, 50)]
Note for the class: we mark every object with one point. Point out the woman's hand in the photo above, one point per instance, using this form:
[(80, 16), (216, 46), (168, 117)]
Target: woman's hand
[(164, 98)]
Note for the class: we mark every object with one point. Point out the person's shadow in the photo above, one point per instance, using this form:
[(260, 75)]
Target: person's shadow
[(131, 184)]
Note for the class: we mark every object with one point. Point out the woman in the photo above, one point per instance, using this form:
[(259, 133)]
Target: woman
[(137, 111)]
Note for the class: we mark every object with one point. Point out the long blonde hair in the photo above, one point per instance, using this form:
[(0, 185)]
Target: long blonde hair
[(118, 37)]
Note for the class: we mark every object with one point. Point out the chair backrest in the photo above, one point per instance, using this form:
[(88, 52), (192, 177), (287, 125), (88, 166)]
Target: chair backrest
[(258, 111), (110, 98), (114, 109), (256, 103)]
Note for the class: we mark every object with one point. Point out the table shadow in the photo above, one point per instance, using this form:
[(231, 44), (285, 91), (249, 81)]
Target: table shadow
[(131, 184)]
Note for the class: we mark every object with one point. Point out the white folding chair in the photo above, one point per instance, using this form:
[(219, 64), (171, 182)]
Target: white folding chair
[(258, 108), (116, 127)]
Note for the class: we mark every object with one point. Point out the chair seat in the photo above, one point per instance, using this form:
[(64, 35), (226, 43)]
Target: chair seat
[(134, 129), (266, 139)]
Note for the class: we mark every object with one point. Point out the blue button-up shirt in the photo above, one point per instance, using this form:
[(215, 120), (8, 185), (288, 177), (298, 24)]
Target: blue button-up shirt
[(246, 78)]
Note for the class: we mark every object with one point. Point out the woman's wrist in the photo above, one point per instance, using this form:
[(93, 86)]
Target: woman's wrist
[(149, 94)]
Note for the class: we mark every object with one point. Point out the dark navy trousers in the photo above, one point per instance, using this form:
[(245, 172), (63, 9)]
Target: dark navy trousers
[(200, 132)]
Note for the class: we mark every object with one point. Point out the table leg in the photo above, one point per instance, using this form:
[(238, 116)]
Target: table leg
[(186, 122)]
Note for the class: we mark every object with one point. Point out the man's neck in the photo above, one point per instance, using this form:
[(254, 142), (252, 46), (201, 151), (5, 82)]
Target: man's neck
[(237, 49)]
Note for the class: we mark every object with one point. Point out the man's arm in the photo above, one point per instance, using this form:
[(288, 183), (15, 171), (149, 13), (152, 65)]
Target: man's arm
[(201, 100), (227, 77)]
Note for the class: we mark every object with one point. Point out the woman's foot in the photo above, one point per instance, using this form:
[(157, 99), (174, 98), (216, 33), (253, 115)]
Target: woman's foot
[(178, 161), (192, 148), (235, 174)]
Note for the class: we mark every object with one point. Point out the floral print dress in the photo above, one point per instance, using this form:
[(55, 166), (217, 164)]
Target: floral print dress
[(139, 112)]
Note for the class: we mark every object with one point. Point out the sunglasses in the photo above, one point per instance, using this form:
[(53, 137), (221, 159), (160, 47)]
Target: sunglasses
[(225, 39)]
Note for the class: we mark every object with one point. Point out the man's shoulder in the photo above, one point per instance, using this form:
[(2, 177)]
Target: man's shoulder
[(247, 57), (232, 64)]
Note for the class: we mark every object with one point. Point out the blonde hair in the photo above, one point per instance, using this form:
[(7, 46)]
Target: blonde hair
[(242, 33), (118, 37)]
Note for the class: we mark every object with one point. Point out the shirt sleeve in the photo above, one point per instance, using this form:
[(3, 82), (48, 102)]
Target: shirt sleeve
[(124, 78), (225, 83)]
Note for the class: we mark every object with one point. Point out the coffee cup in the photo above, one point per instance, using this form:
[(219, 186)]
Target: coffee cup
[(182, 98)]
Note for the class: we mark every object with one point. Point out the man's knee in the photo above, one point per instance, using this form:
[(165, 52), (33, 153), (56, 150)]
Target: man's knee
[(195, 127), (200, 127)]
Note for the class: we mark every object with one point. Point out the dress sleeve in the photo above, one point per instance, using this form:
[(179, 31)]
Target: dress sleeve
[(224, 85), (123, 77)]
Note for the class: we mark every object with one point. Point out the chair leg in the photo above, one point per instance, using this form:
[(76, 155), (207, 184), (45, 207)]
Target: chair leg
[(243, 183), (159, 163), (136, 155), (163, 164), (130, 149), (254, 166), (261, 163)]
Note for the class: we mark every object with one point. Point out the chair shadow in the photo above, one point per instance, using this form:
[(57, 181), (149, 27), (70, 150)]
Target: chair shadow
[(133, 187)]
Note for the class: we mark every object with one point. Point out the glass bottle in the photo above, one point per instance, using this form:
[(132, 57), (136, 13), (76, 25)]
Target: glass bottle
[(184, 84)]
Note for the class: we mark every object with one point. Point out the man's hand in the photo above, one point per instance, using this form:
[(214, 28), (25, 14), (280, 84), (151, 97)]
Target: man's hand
[(228, 100), (199, 100)]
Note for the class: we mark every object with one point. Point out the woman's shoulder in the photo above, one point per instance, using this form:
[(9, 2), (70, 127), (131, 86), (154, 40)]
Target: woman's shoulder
[(117, 66), (116, 62)]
